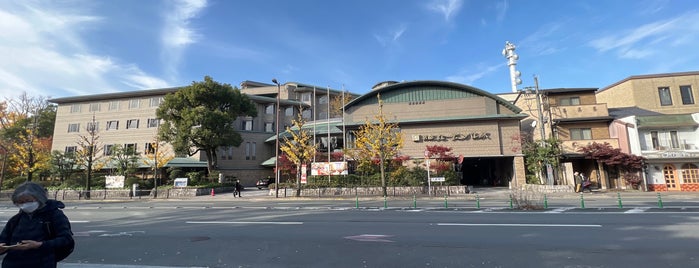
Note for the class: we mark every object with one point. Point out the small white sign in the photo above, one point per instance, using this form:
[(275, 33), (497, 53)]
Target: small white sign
[(181, 182), (114, 182), (437, 179)]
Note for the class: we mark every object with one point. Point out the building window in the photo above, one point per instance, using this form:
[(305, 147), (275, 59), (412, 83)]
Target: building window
[(306, 97), (227, 153), (92, 126), (269, 109), (132, 123), (113, 105), (155, 101), (323, 100), (150, 148), (247, 125), (75, 108), (289, 111), (153, 122), (135, 103), (654, 140), (306, 114), (108, 149), (687, 96), (73, 128), (254, 151), (690, 173), (71, 149), (94, 107), (580, 134), (269, 127), (247, 150), (569, 101), (665, 97), (112, 125), (674, 140), (130, 149)]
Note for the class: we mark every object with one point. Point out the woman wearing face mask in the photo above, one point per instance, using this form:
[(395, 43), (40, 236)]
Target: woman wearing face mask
[(32, 237)]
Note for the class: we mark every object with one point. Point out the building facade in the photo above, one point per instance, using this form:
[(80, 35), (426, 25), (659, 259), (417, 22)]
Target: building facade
[(661, 126), (128, 119), (481, 127)]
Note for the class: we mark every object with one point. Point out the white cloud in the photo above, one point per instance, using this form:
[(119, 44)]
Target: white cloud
[(468, 77), (501, 8), (44, 52), (651, 38), (392, 37), (177, 33), (447, 8)]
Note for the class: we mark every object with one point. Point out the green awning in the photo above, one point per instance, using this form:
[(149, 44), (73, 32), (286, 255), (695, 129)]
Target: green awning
[(666, 120), (186, 162), (269, 162)]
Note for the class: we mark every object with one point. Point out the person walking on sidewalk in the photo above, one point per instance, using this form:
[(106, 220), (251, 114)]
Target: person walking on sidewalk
[(238, 189), (578, 181), (586, 183)]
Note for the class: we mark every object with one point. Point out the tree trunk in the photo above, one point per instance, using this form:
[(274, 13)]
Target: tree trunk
[(298, 180)]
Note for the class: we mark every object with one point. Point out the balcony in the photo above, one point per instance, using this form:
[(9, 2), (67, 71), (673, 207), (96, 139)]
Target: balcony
[(573, 145), (579, 111), (669, 145)]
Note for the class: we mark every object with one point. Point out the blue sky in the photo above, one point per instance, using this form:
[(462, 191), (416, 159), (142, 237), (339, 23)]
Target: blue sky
[(70, 48)]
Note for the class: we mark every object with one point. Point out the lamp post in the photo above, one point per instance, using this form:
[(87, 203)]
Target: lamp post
[(276, 146)]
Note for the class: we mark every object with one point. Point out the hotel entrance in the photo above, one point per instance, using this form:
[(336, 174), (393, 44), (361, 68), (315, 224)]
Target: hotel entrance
[(487, 171)]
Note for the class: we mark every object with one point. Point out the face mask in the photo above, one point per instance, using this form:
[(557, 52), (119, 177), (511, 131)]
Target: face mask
[(29, 207)]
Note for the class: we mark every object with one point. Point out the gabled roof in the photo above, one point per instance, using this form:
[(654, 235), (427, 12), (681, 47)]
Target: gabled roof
[(629, 111)]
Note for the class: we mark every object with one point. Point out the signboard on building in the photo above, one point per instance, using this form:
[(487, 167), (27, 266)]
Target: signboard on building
[(181, 182), (114, 182), (328, 168)]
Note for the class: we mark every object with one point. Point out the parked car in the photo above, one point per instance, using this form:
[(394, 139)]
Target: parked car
[(261, 183)]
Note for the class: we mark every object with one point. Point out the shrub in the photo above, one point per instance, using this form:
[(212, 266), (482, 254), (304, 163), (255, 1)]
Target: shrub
[(527, 199)]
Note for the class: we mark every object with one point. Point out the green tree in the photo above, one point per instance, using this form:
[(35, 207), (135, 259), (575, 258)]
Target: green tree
[(377, 141), (298, 148), (62, 164), (537, 154), (125, 159), (200, 117)]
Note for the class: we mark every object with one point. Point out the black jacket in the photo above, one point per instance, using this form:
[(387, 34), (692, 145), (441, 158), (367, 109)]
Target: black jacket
[(34, 227)]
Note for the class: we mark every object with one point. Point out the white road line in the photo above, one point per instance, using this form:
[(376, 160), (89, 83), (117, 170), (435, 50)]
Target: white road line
[(637, 210), (520, 225), (246, 222)]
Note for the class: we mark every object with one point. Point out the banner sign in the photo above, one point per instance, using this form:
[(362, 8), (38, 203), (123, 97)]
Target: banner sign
[(303, 174), (328, 168), (114, 182)]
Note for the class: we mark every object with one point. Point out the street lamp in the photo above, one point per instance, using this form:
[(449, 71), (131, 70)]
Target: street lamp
[(276, 146)]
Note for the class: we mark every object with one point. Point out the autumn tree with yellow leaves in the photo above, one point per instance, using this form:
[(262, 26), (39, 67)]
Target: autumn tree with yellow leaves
[(157, 156), (377, 141), (298, 147)]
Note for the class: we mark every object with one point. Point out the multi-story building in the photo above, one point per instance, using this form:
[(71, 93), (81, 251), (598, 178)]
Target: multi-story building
[(661, 127), (128, 119), (575, 118)]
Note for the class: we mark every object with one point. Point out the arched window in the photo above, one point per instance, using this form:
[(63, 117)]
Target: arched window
[(690, 173)]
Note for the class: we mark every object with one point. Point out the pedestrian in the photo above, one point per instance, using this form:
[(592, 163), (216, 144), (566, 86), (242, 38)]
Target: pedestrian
[(586, 183), (238, 188), (40, 234), (578, 181)]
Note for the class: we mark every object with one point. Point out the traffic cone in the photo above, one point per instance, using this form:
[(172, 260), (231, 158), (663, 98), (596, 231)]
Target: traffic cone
[(212, 192)]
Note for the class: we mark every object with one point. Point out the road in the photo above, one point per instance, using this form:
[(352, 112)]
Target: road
[(260, 232)]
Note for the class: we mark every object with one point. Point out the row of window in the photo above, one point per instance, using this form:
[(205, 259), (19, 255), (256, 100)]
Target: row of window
[(112, 125), (226, 153), (108, 149), (114, 105), (685, 93)]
